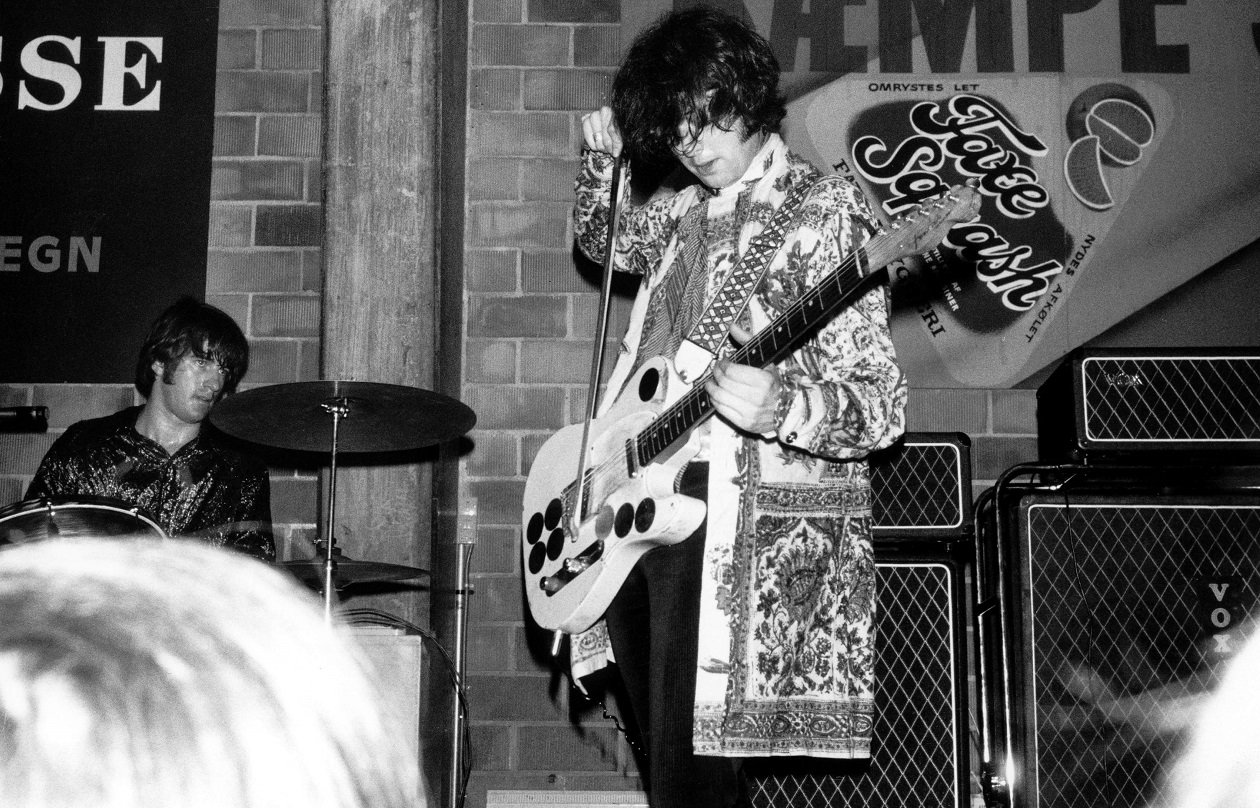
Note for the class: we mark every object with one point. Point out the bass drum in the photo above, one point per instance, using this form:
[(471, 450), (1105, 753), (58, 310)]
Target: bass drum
[(74, 518)]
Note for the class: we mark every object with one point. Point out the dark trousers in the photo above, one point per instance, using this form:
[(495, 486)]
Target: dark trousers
[(652, 623)]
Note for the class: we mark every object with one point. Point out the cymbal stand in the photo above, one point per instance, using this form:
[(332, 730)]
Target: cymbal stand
[(339, 408)]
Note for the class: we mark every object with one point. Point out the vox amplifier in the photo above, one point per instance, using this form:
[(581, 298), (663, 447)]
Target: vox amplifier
[(1120, 606), (922, 488), (1103, 403)]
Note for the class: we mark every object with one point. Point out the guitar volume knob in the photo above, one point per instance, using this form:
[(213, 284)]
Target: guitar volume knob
[(645, 515)]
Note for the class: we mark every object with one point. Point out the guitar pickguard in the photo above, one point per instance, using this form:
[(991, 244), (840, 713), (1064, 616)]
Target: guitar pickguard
[(572, 575)]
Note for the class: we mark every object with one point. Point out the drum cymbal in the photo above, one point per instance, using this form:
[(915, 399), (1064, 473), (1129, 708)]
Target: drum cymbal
[(346, 571), (375, 417)]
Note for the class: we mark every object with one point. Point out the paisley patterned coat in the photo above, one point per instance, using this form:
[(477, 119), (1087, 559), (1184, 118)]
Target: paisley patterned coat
[(786, 635)]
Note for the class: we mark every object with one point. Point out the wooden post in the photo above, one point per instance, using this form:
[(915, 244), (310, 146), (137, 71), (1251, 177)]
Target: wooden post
[(392, 302), (380, 253)]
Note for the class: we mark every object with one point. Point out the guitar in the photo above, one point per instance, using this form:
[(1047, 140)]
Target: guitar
[(574, 566)]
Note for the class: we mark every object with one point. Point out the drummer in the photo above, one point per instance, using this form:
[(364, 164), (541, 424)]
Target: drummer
[(163, 456)]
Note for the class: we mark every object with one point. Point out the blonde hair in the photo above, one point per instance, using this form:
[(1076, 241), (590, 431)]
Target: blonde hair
[(1220, 764), (142, 673)]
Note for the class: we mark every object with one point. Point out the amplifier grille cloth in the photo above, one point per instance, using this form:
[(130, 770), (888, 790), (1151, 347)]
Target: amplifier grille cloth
[(1170, 399), (1120, 589), (914, 759), (920, 489)]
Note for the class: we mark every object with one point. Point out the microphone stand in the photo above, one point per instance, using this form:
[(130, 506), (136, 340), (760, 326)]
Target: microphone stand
[(597, 363), (465, 536)]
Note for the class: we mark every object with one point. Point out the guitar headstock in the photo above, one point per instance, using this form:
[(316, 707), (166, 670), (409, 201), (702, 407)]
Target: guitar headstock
[(925, 227)]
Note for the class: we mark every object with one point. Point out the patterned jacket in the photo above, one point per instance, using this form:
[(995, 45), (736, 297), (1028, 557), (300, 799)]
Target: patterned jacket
[(786, 634)]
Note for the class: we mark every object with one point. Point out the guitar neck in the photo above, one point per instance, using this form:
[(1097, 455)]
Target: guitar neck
[(791, 328), (772, 344)]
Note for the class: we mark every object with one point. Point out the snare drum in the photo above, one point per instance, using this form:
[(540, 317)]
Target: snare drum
[(74, 518)]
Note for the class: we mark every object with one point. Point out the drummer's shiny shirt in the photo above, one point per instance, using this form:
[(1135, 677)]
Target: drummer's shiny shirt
[(206, 490)]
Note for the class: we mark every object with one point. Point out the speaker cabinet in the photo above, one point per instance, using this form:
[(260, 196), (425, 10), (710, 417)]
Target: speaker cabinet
[(1109, 404), (400, 665), (1118, 606), (922, 488), (918, 756)]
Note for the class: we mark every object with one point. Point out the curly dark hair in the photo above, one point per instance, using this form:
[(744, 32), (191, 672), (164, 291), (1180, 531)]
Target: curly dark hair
[(700, 66), (189, 326)]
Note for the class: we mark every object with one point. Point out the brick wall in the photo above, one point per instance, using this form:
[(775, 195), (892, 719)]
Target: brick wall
[(530, 314), (266, 227), (530, 319)]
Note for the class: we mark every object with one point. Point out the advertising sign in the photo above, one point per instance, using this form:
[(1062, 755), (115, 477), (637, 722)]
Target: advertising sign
[(106, 132), (1115, 145), (1056, 160)]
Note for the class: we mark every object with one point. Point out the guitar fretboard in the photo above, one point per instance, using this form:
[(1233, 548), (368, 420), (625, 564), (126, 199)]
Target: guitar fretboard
[(771, 344)]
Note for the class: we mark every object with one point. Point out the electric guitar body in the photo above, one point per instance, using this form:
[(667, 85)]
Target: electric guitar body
[(627, 509)]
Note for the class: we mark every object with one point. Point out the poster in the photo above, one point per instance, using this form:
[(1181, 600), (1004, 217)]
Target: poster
[(1116, 144), (106, 133)]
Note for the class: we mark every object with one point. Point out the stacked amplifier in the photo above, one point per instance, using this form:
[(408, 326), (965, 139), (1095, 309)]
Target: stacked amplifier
[(1114, 574), (923, 527), (1118, 405)]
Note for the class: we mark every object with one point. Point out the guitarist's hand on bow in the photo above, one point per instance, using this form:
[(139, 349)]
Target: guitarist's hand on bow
[(745, 396), (600, 132)]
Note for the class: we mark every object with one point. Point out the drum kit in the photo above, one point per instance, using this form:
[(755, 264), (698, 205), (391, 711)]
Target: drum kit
[(73, 518), (327, 417)]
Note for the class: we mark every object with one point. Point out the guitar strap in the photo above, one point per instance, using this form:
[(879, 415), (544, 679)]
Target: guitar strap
[(701, 345)]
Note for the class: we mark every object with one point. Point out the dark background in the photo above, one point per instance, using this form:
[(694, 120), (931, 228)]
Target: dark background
[(138, 180)]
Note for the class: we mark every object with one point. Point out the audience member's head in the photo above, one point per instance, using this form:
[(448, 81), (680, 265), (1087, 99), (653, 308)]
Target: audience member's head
[(166, 674), (1220, 765)]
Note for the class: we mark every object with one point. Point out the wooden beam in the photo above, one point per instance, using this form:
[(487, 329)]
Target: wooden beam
[(380, 306)]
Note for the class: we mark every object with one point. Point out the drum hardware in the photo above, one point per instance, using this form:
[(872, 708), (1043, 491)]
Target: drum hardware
[(340, 417), (357, 417), (70, 517), (346, 571)]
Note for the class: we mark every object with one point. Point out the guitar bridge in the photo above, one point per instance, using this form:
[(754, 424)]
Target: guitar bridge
[(572, 568)]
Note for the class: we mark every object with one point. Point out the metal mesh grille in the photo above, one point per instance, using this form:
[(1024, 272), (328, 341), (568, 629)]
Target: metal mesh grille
[(920, 485), (1198, 399), (1119, 590), (914, 759)]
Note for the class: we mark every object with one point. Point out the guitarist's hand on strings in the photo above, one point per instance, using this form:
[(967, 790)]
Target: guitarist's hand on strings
[(745, 396), (600, 132)]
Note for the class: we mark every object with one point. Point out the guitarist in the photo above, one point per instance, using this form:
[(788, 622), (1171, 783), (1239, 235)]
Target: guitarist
[(754, 636)]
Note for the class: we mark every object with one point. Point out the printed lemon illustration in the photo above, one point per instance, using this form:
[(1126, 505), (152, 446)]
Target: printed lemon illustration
[(1122, 129), (1090, 100), (1109, 126), (1082, 167)]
